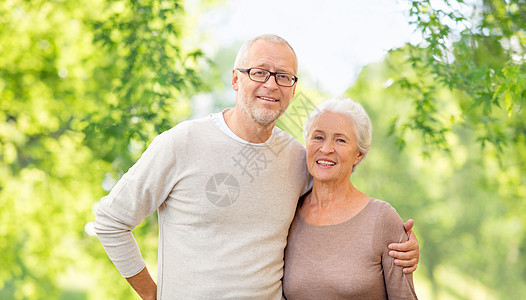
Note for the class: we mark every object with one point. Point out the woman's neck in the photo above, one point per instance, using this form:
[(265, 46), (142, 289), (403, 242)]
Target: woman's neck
[(332, 203), (325, 194)]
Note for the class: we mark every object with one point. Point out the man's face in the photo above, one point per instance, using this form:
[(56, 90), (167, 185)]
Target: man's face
[(264, 102)]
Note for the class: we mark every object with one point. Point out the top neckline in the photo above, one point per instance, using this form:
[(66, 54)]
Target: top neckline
[(219, 120), (331, 226)]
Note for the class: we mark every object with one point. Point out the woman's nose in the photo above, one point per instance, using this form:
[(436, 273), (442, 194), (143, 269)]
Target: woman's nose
[(327, 146)]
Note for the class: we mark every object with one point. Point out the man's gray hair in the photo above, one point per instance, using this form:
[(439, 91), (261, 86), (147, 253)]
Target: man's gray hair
[(356, 114), (243, 51)]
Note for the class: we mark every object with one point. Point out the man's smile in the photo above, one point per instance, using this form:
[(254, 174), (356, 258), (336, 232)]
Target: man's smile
[(268, 99)]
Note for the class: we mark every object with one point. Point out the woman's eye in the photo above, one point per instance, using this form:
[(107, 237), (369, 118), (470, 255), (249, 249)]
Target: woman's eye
[(341, 141), (318, 138)]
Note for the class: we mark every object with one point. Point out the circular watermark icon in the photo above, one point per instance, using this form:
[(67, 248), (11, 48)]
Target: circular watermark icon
[(222, 189)]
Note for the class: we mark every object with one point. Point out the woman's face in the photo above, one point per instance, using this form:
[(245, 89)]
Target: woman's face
[(331, 148)]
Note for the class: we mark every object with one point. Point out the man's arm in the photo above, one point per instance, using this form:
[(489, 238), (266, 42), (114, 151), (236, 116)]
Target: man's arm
[(138, 194), (406, 254), (144, 285)]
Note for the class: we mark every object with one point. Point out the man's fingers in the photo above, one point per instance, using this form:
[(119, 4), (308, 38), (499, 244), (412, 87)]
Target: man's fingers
[(409, 225), (409, 255), (406, 263), (406, 254), (410, 245), (410, 269)]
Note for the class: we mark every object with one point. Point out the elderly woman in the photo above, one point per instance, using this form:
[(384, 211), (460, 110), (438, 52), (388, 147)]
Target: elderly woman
[(337, 245)]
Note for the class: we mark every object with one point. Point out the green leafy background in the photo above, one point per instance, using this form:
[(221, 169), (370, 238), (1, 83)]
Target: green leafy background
[(85, 86)]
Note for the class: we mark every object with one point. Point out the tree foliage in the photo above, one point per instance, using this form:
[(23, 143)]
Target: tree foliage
[(476, 50), (467, 203), (84, 86), (463, 90)]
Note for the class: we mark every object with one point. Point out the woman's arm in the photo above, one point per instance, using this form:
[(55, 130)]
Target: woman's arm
[(398, 284)]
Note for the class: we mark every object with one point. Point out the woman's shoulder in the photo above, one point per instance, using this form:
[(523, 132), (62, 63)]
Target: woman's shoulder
[(385, 212), (389, 226)]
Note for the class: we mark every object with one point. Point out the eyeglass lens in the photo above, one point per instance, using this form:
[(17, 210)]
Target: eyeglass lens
[(262, 75)]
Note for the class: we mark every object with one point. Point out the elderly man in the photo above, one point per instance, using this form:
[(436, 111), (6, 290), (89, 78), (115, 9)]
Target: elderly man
[(225, 188)]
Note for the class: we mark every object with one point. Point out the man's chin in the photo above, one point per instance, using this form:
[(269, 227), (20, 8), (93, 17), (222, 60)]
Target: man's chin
[(266, 119), (263, 115)]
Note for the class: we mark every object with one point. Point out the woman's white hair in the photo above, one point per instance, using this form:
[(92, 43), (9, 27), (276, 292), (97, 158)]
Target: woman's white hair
[(356, 114), (243, 51)]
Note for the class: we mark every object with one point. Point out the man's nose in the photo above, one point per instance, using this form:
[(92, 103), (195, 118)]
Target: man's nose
[(271, 82)]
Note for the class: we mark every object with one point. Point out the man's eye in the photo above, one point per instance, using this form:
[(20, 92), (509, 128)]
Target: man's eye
[(284, 76)]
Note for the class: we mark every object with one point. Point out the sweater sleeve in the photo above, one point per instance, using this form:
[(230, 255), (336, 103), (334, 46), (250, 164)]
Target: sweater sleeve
[(136, 195), (398, 285)]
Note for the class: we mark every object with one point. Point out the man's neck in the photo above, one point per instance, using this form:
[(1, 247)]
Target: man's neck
[(245, 127)]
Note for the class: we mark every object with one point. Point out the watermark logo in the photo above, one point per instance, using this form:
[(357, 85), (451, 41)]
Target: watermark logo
[(251, 161), (292, 123), (293, 119), (222, 189)]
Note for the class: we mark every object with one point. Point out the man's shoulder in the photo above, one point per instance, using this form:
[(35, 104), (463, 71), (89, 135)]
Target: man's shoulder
[(189, 126), (282, 137)]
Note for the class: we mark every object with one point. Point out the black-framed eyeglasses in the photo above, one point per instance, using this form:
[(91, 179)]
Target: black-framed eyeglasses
[(262, 75)]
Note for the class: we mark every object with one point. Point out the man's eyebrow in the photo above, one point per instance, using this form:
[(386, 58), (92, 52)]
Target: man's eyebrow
[(267, 67)]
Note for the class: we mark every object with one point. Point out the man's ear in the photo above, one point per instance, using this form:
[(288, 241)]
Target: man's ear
[(235, 80)]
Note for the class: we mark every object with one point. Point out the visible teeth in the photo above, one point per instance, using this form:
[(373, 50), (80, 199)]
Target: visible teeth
[(325, 163), (268, 99)]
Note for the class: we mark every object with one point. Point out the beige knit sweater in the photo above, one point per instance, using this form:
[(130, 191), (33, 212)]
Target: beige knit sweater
[(224, 205)]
